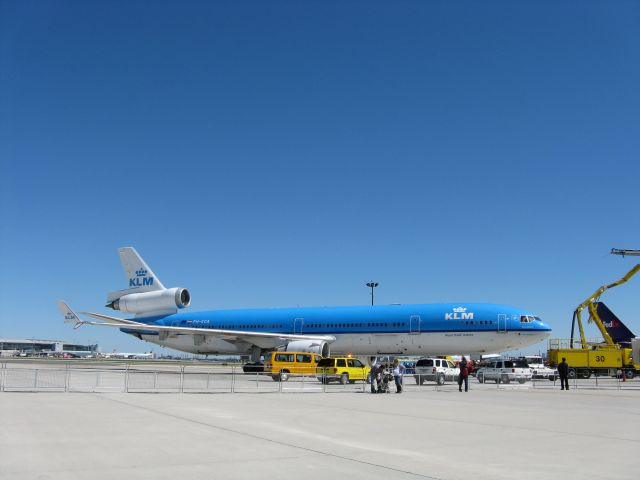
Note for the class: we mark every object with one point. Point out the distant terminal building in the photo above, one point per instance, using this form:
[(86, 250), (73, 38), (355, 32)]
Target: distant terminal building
[(13, 347)]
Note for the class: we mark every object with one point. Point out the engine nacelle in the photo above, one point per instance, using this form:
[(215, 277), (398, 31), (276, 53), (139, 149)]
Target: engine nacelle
[(311, 346), (159, 301)]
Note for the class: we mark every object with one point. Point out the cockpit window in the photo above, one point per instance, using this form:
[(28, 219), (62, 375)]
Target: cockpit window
[(528, 319)]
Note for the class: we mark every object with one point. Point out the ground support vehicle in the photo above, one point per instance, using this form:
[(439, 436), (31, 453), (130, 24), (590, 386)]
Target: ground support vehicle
[(595, 357), (280, 365), (504, 371), (437, 370), (601, 360), (583, 362), (342, 369)]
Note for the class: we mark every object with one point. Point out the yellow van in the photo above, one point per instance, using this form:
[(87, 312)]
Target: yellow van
[(282, 364), (342, 369)]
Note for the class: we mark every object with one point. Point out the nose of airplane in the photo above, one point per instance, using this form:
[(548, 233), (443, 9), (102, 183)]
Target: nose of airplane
[(544, 329)]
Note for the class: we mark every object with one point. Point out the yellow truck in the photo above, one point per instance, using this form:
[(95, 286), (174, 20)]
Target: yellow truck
[(583, 362)]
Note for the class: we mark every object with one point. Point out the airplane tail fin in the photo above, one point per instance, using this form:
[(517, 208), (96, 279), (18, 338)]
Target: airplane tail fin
[(617, 330), (140, 278)]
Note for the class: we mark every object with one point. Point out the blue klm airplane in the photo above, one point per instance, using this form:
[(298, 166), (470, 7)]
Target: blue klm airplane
[(428, 329)]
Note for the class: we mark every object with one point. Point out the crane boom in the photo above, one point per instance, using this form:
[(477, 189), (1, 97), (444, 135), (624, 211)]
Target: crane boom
[(623, 252), (589, 303)]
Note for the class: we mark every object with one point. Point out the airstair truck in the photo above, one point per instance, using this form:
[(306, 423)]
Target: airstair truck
[(602, 358)]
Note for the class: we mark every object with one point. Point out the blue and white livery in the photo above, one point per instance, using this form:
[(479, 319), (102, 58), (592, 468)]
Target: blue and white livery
[(420, 329)]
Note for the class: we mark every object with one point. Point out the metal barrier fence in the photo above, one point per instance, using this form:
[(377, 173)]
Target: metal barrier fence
[(210, 379), (595, 382), (140, 379)]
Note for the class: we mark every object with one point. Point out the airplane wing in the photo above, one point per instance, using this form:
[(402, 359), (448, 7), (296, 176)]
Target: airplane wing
[(257, 338)]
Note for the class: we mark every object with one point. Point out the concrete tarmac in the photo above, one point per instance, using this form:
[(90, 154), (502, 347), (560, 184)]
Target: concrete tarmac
[(488, 433)]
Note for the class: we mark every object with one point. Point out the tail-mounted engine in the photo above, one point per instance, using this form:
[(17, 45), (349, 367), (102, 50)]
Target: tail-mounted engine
[(157, 302)]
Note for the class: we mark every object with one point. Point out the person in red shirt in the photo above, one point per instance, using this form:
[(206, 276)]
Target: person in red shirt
[(463, 376)]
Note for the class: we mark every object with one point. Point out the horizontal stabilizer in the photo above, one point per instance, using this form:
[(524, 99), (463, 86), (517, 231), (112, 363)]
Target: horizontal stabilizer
[(107, 318), (69, 315)]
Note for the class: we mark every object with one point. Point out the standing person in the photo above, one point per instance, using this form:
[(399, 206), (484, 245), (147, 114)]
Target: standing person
[(563, 371), (374, 375), (398, 372), (463, 376)]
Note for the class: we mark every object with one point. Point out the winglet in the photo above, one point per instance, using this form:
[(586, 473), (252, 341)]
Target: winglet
[(69, 315)]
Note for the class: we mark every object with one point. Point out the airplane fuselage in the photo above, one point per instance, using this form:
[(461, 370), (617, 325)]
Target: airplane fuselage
[(422, 329)]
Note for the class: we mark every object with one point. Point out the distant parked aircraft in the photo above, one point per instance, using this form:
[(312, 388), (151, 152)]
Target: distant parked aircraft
[(128, 355), (434, 329)]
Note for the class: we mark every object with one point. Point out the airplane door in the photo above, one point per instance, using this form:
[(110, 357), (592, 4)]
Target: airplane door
[(298, 323), (414, 324), (502, 323)]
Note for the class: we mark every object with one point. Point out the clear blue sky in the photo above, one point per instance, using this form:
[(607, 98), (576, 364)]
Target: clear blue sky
[(285, 153)]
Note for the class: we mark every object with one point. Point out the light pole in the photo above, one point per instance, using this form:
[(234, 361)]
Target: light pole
[(372, 285)]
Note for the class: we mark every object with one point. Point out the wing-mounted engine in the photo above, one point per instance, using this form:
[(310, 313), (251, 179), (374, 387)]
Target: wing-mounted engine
[(163, 302), (312, 346)]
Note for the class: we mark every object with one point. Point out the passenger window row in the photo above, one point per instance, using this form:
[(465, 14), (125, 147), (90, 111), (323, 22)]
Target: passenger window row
[(242, 327), (523, 319), (347, 325), (309, 325)]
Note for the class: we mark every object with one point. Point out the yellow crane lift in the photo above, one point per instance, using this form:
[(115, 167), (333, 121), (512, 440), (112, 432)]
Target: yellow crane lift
[(598, 357), (590, 303)]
